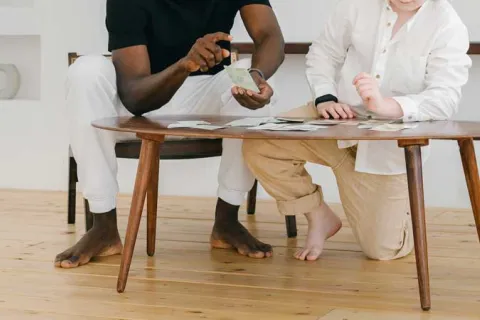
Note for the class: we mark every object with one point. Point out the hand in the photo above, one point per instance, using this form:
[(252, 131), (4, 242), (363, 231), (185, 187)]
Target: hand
[(252, 100), (335, 110), (367, 88), (205, 53)]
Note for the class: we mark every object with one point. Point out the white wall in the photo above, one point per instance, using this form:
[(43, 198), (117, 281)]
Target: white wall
[(34, 141)]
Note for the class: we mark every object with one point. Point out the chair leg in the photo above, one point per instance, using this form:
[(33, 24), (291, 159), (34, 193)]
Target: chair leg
[(413, 158), (152, 202), (291, 223), (142, 181), (252, 199), (88, 216), (72, 189), (470, 168)]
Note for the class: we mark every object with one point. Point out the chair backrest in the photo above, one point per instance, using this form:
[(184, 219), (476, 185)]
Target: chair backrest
[(72, 56)]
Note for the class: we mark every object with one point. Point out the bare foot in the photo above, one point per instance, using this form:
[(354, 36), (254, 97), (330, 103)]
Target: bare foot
[(229, 233), (101, 240), (322, 224)]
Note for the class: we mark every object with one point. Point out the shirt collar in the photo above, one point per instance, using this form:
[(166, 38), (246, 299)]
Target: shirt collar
[(412, 20)]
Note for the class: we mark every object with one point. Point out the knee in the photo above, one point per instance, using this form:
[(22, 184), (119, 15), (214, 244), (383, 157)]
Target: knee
[(380, 246), (91, 71), (250, 150)]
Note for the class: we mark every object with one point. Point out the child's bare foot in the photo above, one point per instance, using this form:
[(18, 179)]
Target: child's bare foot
[(322, 224)]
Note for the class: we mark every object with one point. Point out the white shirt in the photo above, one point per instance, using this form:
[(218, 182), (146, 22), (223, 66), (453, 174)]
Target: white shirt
[(423, 67)]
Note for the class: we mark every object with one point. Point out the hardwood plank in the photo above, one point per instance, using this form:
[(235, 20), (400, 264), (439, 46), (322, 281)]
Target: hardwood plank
[(343, 314), (186, 278)]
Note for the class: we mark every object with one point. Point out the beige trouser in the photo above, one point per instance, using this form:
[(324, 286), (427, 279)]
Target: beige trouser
[(376, 206)]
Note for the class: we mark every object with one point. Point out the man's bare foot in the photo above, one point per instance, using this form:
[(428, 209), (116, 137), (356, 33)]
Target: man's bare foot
[(229, 233), (322, 224), (101, 240)]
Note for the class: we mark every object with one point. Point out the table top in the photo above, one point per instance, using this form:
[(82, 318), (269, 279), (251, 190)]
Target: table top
[(440, 130)]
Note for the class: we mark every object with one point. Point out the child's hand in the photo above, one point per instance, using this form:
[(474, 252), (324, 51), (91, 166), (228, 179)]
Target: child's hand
[(335, 110), (367, 88)]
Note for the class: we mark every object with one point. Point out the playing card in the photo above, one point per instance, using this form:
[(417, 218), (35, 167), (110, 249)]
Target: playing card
[(325, 122), (300, 127), (287, 127), (249, 122), (242, 78), (350, 123), (192, 123), (267, 126), (394, 126), (296, 120), (208, 127)]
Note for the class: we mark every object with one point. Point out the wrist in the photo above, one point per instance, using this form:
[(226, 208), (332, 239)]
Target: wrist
[(183, 66), (389, 107), (257, 78)]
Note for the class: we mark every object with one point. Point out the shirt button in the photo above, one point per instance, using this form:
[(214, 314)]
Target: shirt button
[(384, 51), (378, 76), (389, 24)]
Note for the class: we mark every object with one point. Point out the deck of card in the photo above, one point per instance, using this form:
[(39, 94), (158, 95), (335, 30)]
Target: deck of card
[(242, 78)]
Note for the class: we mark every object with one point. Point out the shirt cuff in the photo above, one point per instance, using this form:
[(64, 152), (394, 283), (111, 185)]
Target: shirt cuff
[(409, 107)]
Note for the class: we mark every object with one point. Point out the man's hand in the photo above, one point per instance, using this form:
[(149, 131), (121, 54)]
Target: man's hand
[(369, 91), (205, 53), (335, 110), (252, 100), (367, 88)]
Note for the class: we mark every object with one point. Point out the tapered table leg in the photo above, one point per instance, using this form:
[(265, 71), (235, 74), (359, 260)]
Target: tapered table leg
[(142, 181), (470, 168), (152, 202), (413, 159)]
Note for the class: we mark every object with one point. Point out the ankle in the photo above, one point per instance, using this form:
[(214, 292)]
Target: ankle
[(106, 221), (225, 212)]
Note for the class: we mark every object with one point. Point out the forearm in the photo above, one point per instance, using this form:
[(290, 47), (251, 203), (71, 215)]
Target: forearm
[(148, 93), (269, 55)]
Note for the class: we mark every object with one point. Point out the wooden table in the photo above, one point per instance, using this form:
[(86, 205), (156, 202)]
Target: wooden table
[(153, 130)]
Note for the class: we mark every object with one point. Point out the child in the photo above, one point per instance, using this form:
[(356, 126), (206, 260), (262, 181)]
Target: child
[(398, 59)]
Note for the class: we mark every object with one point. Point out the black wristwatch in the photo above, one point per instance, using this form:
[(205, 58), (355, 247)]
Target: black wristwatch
[(326, 98)]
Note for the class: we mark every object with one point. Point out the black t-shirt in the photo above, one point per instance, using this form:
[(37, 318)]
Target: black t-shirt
[(169, 28)]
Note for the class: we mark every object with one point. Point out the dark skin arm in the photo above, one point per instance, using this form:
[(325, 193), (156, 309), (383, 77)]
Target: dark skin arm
[(142, 92), (262, 26)]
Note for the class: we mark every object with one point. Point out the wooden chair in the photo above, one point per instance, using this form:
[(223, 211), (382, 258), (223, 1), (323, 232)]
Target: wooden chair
[(173, 149)]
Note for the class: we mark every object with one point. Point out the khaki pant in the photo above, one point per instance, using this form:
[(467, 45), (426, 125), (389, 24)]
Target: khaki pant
[(376, 206)]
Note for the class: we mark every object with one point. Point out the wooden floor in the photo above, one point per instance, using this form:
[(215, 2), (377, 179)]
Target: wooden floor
[(186, 280)]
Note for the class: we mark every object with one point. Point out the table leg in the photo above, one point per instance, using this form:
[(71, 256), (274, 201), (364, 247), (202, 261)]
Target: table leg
[(152, 202), (413, 157), (144, 171), (470, 168)]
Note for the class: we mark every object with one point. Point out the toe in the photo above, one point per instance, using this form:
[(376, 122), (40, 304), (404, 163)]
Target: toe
[(62, 256), (266, 248), (303, 254), (314, 254), (250, 252), (71, 262)]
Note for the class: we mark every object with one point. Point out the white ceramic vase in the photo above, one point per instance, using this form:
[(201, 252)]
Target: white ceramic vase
[(12, 84)]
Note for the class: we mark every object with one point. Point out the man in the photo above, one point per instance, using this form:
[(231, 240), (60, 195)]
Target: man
[(416, 51), (168, 58)]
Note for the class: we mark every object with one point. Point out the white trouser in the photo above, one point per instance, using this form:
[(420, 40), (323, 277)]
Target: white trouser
[(92, 94)]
